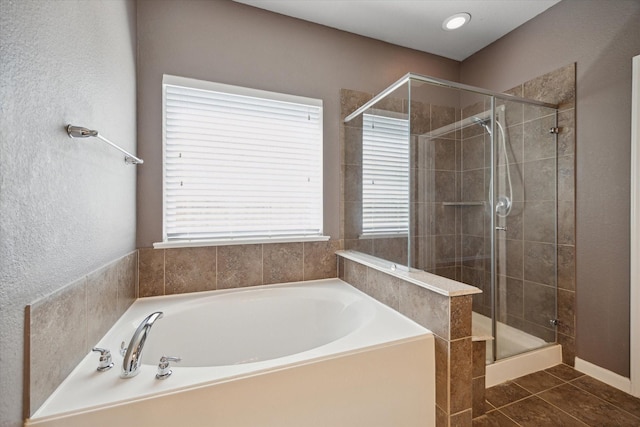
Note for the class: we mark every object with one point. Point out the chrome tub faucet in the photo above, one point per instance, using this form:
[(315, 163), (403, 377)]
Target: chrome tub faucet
[(133, 352)]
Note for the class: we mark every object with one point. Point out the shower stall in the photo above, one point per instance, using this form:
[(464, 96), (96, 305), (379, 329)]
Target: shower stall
[(460, 182)]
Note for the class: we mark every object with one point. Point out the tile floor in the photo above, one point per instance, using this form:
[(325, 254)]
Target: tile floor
[(558, 396)]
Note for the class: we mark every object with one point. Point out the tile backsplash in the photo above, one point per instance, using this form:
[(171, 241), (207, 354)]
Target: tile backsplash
[(62, 327), (179, 270)]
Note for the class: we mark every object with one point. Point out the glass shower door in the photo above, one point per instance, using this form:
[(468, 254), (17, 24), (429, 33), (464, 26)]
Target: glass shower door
[(524, 208)]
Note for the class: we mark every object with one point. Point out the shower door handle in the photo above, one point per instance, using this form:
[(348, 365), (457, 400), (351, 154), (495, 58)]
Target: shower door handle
[(501, 228)]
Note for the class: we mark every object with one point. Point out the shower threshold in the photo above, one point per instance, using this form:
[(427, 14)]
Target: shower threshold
[(519, 353)]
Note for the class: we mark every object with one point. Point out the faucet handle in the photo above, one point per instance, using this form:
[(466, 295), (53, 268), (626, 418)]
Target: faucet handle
[(123, 348), (163, 367), (105, 362)]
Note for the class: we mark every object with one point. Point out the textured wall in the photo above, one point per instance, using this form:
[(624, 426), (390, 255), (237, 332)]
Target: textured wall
[(67, 206), (601, 37), (232, 43)]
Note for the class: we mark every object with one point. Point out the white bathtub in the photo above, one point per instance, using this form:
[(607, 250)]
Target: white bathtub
[(301, 354)]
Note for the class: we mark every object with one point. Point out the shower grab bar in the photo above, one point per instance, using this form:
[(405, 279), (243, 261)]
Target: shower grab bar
[(82, 132), (446, 84)]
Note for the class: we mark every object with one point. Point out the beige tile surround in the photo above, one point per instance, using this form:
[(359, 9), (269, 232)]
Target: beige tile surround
[(65, 325), (180, 270), (62, 327)]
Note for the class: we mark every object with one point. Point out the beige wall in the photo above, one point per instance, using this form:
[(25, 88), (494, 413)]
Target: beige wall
[(601, 37), (67, 207), (231, 43)]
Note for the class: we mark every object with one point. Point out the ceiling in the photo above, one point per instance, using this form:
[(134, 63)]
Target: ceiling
[(416, 24)]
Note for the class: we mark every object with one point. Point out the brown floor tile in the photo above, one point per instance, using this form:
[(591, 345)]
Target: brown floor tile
[(538, 381), (588, 408), (610, 394), (504, 394), (564, 372), (493, 419), (535, 412)]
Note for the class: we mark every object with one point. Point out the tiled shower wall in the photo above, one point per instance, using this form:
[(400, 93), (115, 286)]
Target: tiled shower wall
[(559, 87), (180, 270), (527, 285)]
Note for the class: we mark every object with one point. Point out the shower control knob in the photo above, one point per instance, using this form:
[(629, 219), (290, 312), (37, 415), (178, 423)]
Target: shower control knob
[(105, 362), (554, 322), (163, 367), (501, 228)]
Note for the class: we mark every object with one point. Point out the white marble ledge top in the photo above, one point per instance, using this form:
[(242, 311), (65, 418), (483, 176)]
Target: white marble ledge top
[(438, 284)]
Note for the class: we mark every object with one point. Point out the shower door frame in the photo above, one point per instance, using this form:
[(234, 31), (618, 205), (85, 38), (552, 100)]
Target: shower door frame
[(407, 78), (635, 230)]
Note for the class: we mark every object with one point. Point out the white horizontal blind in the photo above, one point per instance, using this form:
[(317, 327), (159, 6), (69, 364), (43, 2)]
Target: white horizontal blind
[(385, 175), (239, 163)]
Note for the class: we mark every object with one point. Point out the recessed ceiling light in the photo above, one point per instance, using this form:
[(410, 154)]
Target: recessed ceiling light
[(455, 21)]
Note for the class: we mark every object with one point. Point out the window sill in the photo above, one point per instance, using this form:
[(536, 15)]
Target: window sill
[(201, 243)]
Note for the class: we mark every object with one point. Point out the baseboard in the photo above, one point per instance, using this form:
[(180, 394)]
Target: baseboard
[(604, 375)]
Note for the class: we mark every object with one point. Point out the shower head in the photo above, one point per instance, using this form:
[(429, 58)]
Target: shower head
[(484, 123), (80, 132)]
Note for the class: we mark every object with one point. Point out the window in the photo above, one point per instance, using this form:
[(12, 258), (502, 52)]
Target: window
[(240, 164), (385, 175)]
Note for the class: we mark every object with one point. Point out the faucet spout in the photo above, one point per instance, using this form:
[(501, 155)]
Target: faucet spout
[(133, 355)]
